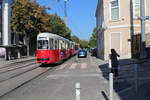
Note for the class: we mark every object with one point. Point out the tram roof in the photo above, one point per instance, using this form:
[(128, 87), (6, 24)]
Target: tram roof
[(52, 35)]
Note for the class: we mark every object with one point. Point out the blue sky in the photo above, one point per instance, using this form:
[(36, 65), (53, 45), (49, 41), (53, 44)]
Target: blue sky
[(80, 15)]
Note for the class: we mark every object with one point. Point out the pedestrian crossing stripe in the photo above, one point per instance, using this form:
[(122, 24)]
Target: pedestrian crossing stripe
[(83, 66), (73, 66)]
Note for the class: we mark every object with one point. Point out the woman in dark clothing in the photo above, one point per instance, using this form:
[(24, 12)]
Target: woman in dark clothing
[(114, 62)]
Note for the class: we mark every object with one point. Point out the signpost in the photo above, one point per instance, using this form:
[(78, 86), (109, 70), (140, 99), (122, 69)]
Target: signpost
[(143, 18)]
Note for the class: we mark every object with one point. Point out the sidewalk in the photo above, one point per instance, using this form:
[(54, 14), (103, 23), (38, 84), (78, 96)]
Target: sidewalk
[(125, 89), (4, 62)]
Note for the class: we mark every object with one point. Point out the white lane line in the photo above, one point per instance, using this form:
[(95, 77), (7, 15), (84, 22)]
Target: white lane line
[(77, 87), (58, 76), (83, 66), (73, 66)]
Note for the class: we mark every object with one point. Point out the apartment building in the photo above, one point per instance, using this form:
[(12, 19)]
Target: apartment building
[(117, 25)]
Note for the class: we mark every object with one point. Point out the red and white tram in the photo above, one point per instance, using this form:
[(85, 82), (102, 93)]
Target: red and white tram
[(76, 48), (52, 48), (72, 48)]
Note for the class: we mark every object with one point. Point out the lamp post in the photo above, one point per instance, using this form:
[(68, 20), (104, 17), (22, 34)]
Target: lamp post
[(65, 12)]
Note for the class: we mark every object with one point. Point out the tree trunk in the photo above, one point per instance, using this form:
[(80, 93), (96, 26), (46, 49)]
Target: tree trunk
[(28, 48), (26, 42)]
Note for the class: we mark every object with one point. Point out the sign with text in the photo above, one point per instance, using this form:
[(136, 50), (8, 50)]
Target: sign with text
[(144, 18)]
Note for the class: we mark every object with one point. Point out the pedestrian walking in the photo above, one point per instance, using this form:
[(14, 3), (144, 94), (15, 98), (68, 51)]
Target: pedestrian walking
[(114, 63)]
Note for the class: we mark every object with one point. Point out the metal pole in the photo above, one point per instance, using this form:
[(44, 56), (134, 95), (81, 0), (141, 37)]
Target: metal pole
[(142, 11), (65, 12), (77, 86)]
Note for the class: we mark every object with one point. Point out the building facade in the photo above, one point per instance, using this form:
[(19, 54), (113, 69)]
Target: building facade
[(117, 22)]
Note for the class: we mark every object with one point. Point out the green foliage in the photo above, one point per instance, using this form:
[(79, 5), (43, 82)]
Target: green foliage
[(31, 19), (83, 44), (92, 41), (58, 26), (28, 18), (75, 39)]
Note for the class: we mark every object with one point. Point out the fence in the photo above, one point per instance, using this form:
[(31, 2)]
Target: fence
[(135, 74)]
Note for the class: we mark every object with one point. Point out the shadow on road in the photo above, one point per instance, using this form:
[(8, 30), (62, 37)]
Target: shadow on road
[(104, 95), (122, 83)]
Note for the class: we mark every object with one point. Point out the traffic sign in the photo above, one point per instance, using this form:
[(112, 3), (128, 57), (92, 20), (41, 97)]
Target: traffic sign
[(144, 18)]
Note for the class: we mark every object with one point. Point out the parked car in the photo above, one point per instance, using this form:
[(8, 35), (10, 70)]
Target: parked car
[(82, 53), (90, 50), (94, 52)]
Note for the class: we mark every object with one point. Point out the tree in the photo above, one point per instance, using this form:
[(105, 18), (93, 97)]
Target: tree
[(28, 19), (75, 39), (58, 26), (92, 41), (83, 44)]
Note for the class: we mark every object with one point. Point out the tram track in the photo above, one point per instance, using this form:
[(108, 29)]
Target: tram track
[(11, 83), (17, 81), (8, 76), (25, 75), (11, 68), (16, 63)]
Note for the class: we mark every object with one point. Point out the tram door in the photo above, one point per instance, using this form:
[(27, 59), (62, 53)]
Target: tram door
[(56, 50)]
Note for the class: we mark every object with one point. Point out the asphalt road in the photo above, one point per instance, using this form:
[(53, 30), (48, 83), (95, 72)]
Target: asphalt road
[(59, 84)]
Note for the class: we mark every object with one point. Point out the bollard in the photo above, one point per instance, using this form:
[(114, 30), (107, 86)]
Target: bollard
[(136, 79), (110, 86), (110, 81), (77, 86)]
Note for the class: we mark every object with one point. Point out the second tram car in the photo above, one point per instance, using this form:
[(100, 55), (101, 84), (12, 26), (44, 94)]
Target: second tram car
[(52, 48)]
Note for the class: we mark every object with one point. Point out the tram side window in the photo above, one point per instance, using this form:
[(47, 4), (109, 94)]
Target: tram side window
[(68, 46), (56, 44), (42, 44), (51, 43)]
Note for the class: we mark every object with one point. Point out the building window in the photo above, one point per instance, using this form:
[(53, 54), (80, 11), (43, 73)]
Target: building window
[(114, 9)]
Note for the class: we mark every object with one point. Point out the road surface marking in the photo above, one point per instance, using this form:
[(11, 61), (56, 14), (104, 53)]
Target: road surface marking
[(73, 66), (83, 66), (60, 76)]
